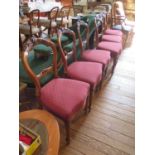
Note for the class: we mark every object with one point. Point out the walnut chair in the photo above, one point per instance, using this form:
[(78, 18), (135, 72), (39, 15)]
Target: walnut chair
[(50, 21), (31, 28), (119, 20), (63, 16), (90, 72), (104, 36), (92, 55), (77, 9), (61, 96), (115, 48)]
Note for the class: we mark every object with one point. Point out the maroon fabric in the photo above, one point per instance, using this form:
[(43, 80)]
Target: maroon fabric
[(64, 97), (112, 38), (90, 72), (114, 48), (114, 32), (100, 56)]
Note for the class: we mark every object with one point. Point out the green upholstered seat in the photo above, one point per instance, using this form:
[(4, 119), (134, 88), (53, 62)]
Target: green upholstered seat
[(40, 48), (55, 38), (37, 65)]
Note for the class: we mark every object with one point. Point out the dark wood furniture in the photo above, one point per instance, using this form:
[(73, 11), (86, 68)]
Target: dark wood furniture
[(46, 126)]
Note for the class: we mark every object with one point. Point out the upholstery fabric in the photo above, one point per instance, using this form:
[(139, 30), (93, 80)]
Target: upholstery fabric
[(90, 72), (42, 49), (25, 29), (112, 38), (100, 56), (125, 28), (64, 97), (114, 32), (63, 38), (114, 48), (37, 65)]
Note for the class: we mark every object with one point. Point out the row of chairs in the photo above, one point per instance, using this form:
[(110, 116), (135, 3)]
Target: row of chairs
[(67, 95), (54, 19)]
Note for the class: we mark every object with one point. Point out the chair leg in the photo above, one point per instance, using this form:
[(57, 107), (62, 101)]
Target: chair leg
[(91, 98), (87, 105), (114, 64), (67, 126)]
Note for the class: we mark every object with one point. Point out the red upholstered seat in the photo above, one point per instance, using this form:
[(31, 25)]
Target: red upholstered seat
[(114, 48), (89, 72), (112, 38), (100, 56), (114, 32), (64, 97)]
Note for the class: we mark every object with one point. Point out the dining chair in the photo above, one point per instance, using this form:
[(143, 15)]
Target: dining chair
[(31, 28), (63, 16), (77, 9), (90, 72), (115, 48), (50, 21), (63, 97), (119, 20), (92, 55)]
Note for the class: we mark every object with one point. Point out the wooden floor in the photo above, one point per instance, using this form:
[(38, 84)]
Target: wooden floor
[(109, 129)]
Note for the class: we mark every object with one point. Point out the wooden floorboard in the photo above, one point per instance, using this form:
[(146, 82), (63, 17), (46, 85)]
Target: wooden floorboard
[(109, 129)]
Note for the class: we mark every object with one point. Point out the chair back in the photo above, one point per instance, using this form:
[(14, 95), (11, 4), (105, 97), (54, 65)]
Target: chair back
[(77, 9), (117, 13), (48, 70), (34, 13), (54, 13), (64, 13), (83, 35), (64, 54)]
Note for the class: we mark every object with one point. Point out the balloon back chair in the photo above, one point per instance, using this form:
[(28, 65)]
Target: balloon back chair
[(119, 20), (60, 96), (50, 21), (92, 55), (114, 47), (32, 28), (63, 16), (90, 72)]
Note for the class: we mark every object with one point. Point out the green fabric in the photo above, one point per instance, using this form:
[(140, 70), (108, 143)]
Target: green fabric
[(37, 65), (42, 49), (63, 38)]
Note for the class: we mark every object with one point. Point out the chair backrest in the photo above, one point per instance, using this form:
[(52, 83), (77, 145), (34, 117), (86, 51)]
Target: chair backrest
[(99, 29), (77, 9), (34, 13), (83, 35), (65, 11), (118, 13), (64, 54), (48, 70), (53, 13)]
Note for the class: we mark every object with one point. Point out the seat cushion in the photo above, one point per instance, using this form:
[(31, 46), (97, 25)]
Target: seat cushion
[(114, 48), (100, 56), (89, 72), (63, 38), (64, 97), (40, 48), (114, 32), (112, 38)]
